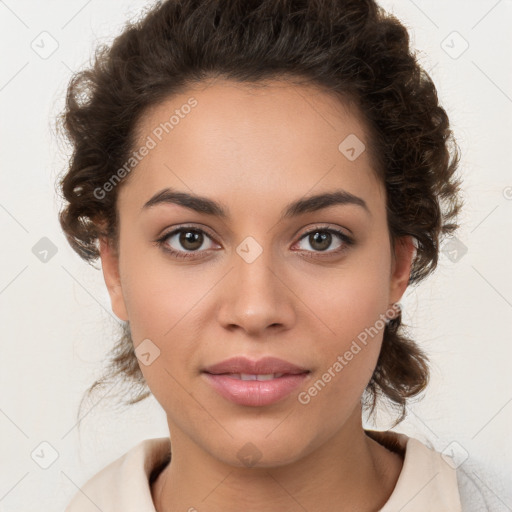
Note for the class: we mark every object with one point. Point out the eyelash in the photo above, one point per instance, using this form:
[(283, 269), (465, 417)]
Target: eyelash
[(347, 241)]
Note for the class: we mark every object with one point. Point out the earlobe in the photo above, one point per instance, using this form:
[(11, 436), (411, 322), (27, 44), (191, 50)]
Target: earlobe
[(110, 267), (405, 252)]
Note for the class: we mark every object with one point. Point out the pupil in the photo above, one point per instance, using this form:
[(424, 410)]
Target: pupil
[(191, 237), (323, 237)]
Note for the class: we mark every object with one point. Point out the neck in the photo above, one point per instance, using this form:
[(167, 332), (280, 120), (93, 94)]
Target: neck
[(351, 470)]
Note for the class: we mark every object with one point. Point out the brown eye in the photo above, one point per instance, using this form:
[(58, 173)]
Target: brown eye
[(184, 242), (190, 240), (321, 239)]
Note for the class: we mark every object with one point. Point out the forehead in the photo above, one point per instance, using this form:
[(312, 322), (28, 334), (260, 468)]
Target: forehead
[(227, 139)]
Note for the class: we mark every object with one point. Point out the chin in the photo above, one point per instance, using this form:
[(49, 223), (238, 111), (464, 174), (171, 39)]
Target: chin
[(259, 451)]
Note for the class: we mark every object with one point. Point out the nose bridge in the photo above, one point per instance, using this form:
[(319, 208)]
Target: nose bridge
[(256, 298), (254, 267)]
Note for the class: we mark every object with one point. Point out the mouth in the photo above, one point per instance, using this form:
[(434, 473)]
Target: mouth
[(249, 376), (265, 367), (255, 383)]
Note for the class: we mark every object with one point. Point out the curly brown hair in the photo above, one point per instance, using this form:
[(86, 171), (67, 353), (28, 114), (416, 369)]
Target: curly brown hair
[(350, 48)]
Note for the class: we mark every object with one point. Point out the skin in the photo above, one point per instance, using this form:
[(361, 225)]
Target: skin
[(255, 150)]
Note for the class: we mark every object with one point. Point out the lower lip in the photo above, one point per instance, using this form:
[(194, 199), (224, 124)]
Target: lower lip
[(255, 393)]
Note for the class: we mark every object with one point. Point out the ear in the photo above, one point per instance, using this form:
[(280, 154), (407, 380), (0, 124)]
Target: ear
[(110, 267), (404, 254)]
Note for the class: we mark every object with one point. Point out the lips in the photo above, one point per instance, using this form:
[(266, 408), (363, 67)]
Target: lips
[(245, 367), (255, 383), (249, 376)]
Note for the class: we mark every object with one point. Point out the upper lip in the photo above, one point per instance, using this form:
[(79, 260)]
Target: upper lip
[(264, 366)]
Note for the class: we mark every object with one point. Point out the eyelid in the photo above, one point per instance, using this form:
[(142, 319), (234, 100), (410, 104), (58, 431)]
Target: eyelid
[(193, 227), (327, 227)]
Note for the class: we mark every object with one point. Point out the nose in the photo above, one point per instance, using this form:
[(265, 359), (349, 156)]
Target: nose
[(256, 297)]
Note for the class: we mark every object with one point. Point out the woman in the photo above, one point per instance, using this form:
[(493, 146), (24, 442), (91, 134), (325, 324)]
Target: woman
[(262, 181)]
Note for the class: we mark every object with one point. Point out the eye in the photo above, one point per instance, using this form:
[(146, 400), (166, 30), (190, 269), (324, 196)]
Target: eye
[(187, 241), (321, 238)]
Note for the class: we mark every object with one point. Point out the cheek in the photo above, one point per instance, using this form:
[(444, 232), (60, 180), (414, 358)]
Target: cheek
[(351, 298), (161, 301), (158, 294), (349, 306), (348, 358)]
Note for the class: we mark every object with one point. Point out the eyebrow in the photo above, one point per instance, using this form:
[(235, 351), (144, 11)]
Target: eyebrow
[(207, 206)]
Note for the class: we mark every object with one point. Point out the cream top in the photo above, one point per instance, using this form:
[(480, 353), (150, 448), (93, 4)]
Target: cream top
[(427, 482)]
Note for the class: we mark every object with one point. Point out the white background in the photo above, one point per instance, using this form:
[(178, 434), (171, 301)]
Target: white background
[(56, 320)]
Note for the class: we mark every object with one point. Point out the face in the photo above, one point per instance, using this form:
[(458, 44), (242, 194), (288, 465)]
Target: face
[(302, 285)]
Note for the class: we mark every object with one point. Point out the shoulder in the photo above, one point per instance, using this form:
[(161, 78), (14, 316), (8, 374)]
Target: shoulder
[(426, 482), (124, 484), (441, 479)]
